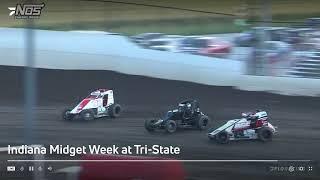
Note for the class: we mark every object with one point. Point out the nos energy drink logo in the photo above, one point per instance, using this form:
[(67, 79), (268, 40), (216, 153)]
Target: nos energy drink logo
[(25, 11)]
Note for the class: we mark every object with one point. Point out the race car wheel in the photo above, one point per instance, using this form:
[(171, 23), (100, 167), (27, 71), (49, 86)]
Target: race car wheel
[(265, 134), (114, 110), (211, 137), (87, 115), (66, 115), (148, 124), (222, 137), (171, 126), (202, 122)]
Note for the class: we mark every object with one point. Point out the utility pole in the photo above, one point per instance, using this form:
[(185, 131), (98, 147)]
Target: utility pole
[(264, 35), (29, 80), (30, 92)]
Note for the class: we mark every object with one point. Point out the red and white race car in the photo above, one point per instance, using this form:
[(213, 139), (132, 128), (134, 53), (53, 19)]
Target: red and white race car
[(99, 103), (207, 46), (250, 126)]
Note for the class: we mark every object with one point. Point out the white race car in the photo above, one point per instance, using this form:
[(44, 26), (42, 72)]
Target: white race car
[(99, 103), (250, 126)]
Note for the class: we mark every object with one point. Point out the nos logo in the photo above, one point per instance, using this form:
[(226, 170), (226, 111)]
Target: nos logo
[(26, 10)]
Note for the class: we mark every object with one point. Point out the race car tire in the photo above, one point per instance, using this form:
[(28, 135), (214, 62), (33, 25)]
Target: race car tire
[(211, 137), (148, 125), (265, 134), (66, 115), (171, 126), (222, 137), (87, 115), (114, 110), (202, 122)]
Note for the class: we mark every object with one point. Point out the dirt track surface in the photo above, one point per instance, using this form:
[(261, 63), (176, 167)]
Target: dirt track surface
[(143, 98)]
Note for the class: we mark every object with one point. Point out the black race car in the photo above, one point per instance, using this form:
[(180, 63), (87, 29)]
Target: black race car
[(186, 115)]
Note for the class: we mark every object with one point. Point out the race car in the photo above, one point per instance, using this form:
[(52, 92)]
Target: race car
[(207, 46), (99, 103), (250, 126), (186, 115)]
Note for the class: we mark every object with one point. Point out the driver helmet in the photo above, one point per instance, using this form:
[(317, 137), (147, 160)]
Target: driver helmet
[(258, 114), (188, 105)]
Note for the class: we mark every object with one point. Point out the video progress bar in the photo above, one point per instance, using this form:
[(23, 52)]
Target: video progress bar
[(160, 160)]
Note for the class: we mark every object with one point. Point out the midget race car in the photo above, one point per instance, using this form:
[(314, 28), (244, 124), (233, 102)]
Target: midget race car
[(99, 103), (250, 126), (186, 115)]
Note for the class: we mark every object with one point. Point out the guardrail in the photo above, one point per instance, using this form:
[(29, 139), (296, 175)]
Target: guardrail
[(81, 51)]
